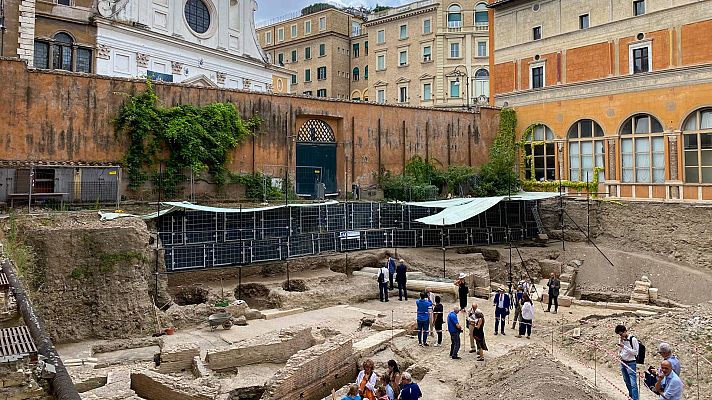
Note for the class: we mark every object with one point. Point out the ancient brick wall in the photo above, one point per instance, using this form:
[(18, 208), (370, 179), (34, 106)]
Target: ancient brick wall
[(56, 116)]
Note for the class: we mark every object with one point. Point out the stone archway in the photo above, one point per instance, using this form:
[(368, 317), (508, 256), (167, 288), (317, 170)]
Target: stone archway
[(316, 158)]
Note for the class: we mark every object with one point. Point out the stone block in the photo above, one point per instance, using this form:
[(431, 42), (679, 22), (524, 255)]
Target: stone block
[(564, 301), (565, 277), (274, 313), (154, 386), (376, 342), (198, 368), (549, 266), (481, 292), (178, 357)]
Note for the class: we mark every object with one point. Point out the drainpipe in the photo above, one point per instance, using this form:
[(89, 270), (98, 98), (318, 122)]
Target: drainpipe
[(61, 385)]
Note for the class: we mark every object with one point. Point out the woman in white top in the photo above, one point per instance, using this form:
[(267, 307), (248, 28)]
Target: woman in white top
[(525, 324), (366, 381)]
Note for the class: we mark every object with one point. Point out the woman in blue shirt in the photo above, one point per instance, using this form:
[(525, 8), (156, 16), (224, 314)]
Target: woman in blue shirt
[(423, 318)]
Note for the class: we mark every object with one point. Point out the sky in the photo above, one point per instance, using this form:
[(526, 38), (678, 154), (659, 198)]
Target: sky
[(268, 9)]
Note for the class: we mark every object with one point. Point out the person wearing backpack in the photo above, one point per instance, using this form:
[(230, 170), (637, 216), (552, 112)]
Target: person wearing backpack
[(383, 283), (631, 353)]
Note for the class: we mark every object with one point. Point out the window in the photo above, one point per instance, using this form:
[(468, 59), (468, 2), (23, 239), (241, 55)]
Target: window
[(481, 15), (307, 75), (307, 53), (294, 80), (308, 93), (61, 53), (356, 50), (381, 96), (640, 60), (280, 59), (321, 93), (268, 37), (293, 31), (354, 74), (536, 33), (381, 62), (322, 23), (307, 27), (540, 154), (365, 48), (427, 91), (697, 134), (426, 26), (322, 50), (482, 83), (294, 56), (197, 15), (638, 7), (321, 73), (427, 53), (41, 59), (454, 50), (585, 151), (536, 77), (355, 28), (404, 32), (64, 2), (642, 150), (454, 89), (583, 21), (454, 16), (403, 94), (381, 36), (280, 34), (403, 58), (83, 60), (481, 49)]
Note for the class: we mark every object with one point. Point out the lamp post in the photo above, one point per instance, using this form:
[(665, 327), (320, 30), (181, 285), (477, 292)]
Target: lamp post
[(457, 72)]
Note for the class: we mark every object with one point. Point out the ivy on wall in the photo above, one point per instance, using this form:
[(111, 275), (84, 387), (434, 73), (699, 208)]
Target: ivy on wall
[(497, 176), (182, 137)]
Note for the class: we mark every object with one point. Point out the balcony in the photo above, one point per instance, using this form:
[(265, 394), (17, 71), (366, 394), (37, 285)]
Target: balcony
[(481, 26)]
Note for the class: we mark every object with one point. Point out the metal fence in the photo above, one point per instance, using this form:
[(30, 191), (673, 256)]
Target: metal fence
[(197, 239)]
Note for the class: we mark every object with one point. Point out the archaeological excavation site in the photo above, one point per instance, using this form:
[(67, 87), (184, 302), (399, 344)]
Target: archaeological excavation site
[(282, 301)]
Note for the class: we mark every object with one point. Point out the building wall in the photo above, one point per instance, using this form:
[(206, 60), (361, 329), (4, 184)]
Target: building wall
[(56, 116), (11, 33)]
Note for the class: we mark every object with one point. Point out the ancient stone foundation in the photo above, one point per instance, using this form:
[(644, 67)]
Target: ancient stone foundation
[(311, 373), (153, 386)]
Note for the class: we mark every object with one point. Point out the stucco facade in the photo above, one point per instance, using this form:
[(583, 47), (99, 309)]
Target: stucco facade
[(611, 93)]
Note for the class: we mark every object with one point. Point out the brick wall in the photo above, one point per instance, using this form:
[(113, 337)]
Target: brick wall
[(154, 386), (275, 347), (504, 78), (588, 62), (696, 47), (312, 373)]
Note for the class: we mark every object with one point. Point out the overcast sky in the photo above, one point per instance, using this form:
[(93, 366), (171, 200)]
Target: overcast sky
[(268, 9)]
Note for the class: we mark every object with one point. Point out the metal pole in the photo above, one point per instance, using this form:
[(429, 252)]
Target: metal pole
[(467, 88), (697, 362), (192, 190), (118, 188), (289, 220), (509, 239), (595, 362), (561, 214), (29, 192), (442, 236), (588, 210), (158, 228), (239, 283)]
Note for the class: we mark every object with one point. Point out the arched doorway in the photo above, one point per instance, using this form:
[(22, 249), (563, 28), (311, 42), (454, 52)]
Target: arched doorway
[(316, 158)]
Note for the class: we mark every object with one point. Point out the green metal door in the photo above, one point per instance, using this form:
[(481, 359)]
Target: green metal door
[(316, 159)]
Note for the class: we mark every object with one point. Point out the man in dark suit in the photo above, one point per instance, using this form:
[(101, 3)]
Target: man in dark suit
[(554, 285), (501, 310), (401, 279)]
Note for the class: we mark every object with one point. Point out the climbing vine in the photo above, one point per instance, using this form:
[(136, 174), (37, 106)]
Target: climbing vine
[(497, 176), (422, 180), (183, 137)]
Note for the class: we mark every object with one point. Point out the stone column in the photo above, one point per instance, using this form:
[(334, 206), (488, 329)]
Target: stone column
[(560, 159), (26, 32), (612, 180), (672, 161)]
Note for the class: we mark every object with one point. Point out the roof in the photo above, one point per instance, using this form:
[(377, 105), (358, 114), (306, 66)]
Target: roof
[(499, 3)]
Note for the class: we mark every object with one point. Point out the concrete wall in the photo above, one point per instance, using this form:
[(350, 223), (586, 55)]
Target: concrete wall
[(674, 230), (55, 116)]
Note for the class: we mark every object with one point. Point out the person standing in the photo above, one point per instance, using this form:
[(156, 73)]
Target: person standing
[(383, 283), (628, 351), (554, 284), (525, 324), (391, 271), (438, 313), (479, 334), (423, 306), (410, 390), (471, 321), (401, 280), (462, 290), (517, 305), (393, 375), (669, 385), (366, 381), (431, 296), (501, 304), (454, 327)]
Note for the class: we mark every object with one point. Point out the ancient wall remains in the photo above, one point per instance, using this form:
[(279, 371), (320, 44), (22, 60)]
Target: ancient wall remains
[(275, 347), (61, 116), (678, 231), (311, 373)]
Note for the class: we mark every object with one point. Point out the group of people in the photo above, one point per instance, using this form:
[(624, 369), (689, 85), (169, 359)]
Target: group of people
[(391, 385), (387, 274), (664, 381)]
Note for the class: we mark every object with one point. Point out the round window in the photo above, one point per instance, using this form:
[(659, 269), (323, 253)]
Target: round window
[(198, 15)]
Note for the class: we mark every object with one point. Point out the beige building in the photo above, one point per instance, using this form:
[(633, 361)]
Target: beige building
[(430, 53), (317, 46)]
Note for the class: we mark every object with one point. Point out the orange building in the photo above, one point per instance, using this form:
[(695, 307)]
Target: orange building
[(617, 88)]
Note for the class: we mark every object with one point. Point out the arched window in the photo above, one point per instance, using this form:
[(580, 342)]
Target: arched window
[(356, 95), (454, 16), (642, 150), (62, 52), (697, 134), (481, 15), (354, 73), (365, 72), (482, 83), (365, 94), (540, 151), (585, 150)]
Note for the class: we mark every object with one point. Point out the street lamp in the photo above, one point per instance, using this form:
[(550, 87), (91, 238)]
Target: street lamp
[(463, 73)]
